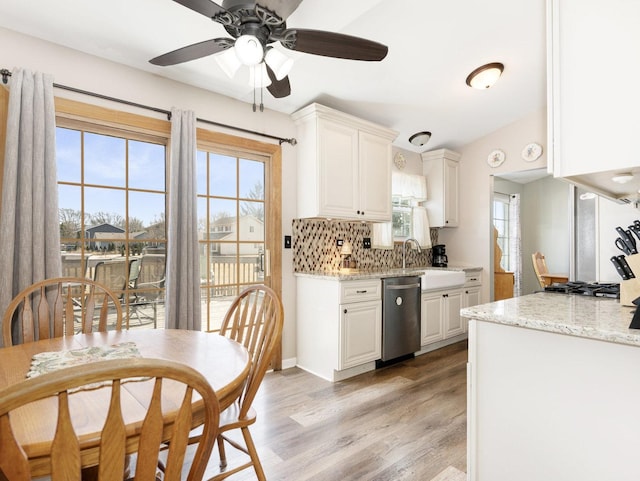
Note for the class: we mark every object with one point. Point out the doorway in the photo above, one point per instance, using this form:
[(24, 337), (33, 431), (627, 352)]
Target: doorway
[(545, 221)]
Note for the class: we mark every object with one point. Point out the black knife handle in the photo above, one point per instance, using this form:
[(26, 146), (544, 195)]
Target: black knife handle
[(625, 267), (618, 266)]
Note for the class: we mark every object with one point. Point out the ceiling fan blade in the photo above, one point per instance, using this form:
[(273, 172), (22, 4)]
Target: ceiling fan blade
[(204, 7), (330, 44), (193, 52), (283, 8), (278, 88)]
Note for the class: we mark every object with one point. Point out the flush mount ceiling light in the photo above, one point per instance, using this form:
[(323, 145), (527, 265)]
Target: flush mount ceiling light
[(485, 76), (622, 178), (420, 138)]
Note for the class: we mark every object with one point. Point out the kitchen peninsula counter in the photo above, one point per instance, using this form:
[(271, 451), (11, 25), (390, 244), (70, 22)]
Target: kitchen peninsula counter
[(582, 316), (553, 390)]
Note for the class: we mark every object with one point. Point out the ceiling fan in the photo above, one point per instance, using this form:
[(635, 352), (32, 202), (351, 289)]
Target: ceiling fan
[(254, 26)]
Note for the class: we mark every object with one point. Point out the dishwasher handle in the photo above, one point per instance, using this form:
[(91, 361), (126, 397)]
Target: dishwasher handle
[(403, 286)]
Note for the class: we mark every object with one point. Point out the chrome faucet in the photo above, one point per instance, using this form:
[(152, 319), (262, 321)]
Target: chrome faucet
[(404, 250)]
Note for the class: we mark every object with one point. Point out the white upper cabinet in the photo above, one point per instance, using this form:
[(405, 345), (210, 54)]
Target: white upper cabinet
[(440, 167), (593, 97), (344, 166)]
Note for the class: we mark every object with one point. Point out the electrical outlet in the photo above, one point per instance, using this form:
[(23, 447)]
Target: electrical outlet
[(339, 242), (366, 242), (287, 242)]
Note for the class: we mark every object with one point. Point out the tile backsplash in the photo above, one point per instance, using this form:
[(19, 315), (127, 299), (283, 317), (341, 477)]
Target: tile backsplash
[(315, 247)]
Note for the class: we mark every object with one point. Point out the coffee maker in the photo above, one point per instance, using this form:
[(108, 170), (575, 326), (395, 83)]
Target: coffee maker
[(439, 256)]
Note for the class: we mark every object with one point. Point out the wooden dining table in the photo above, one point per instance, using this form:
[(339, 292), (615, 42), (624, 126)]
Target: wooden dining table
[(223, 362)]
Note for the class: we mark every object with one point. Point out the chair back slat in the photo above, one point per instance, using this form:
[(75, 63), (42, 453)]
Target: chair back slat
[(113, 441), (150, 436), (44, 327), (116, 440), (13, 462), (27, 320), (59, 307), (58, 314), (180, 438), (65, 450)]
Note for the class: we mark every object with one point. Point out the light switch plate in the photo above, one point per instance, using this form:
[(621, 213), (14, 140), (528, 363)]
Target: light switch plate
[(287, 242), (339, 242), (366, 242)]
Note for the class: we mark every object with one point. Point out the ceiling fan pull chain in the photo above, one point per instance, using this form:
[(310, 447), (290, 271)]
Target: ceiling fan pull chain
[(254, 88), (261, 91)]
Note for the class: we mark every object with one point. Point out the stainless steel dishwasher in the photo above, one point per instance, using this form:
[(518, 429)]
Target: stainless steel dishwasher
[(400, 316)]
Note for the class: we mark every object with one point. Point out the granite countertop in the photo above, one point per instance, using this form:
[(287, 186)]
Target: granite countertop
[(356, 274), (581, 316)]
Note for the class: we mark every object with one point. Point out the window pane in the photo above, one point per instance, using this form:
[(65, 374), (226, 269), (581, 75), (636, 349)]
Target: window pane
[(223, 175), (146, 166), (146, 209), (68, 155), (223, 219), (104, 206), (104, 162), (251, 179), (252, 214)]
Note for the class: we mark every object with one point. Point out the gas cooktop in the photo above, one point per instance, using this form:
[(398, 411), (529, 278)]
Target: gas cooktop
[(611, 290)]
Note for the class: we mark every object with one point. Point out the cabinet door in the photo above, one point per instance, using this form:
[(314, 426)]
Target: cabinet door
[(360, 333), (375, 177), (586, 34), (431, 329), (452, 320), (470, 298), (338, 170), (450, 193)]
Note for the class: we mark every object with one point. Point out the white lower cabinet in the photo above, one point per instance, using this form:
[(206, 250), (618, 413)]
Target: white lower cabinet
[(339, 326), (441, 315), (360, 333), (431, 329), (471, 292)]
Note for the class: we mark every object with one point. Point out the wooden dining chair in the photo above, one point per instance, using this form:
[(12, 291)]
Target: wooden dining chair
[(255, 320), (539, 267), (58, 307), (116, 440)]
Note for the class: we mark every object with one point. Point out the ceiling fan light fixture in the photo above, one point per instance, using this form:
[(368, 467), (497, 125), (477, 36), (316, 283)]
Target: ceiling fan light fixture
[(279, 62), (485, 76), (258, 76), (249, 50), (420, 138), (228, 61)]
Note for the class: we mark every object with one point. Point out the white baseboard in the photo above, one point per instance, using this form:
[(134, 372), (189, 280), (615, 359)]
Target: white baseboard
[(289, 363)]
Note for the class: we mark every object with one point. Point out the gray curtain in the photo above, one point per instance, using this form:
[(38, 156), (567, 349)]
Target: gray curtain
[(183, 266), (29, 225)]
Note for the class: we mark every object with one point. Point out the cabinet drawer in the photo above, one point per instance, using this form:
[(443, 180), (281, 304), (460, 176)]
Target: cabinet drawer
[(364, 290), (473, 278)]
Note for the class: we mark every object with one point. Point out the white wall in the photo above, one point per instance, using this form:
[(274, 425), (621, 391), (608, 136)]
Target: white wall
[(75, 69)]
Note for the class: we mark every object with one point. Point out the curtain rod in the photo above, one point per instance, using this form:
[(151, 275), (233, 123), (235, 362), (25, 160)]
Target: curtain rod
[(6, 74)]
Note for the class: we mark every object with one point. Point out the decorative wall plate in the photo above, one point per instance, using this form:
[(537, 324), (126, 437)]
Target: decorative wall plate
[(399, 160), (496, 158), (532, 152)]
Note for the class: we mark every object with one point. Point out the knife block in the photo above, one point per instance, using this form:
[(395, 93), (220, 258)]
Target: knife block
[(630, 289)]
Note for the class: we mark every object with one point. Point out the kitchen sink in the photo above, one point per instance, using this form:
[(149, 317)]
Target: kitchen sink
[(441, 279)]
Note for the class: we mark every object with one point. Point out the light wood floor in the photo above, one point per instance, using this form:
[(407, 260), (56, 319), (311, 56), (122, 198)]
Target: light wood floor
[(402, 422)]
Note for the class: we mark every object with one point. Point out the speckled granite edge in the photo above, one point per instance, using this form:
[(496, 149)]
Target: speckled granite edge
[(355, 274), (581, 316)]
